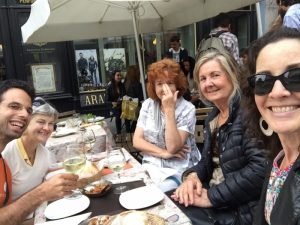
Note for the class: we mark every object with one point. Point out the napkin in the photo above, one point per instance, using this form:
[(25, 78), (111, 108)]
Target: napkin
[(158, 174), (73, 220)]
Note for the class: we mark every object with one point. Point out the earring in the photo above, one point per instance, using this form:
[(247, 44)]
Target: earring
[(268, 131)]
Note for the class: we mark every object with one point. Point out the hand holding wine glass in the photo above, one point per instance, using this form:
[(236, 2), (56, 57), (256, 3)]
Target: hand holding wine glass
[(116, 162), (74, 160)]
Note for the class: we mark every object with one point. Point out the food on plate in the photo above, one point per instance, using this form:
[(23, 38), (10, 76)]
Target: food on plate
[(99, 220), (88, 174), (97, 188), (138, 218), (84, 125)]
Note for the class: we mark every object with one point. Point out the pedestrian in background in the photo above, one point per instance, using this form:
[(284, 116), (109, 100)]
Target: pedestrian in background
[(133, 89), (114, 94)]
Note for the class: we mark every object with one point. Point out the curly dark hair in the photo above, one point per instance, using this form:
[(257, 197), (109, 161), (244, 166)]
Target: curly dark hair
[(222, 20), (252, 114), (19, 84), (157, 71)]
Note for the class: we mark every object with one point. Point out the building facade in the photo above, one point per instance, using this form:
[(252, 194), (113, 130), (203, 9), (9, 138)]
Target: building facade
[(73, 75)]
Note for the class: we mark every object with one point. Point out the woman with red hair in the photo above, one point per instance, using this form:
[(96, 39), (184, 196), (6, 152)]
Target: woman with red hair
[(165, 128)]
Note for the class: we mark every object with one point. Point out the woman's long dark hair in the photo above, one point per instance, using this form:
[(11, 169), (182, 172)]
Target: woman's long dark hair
[(252, 114), (191, 61), (116, 86)]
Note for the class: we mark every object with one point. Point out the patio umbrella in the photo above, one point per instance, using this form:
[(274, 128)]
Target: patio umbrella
[(63, 20)]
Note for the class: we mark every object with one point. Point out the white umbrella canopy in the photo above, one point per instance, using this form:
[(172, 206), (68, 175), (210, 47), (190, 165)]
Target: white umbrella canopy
[(63, 20)]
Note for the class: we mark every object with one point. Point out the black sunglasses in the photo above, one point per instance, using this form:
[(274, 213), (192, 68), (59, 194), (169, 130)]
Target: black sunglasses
[(263, 83)]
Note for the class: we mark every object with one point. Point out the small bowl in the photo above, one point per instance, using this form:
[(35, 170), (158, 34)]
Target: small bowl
[(92, 189)]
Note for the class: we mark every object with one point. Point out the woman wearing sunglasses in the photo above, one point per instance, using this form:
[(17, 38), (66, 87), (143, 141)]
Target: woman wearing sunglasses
[(276, 85), (225, 185)]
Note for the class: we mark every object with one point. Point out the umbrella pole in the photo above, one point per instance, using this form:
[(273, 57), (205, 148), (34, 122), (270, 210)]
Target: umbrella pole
[(137, 42)]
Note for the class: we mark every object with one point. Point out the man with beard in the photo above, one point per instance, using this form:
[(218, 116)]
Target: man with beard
[(289, 10), (15, 108)]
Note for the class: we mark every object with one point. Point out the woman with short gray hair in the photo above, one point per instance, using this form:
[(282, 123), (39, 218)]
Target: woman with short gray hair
[(27, 156)]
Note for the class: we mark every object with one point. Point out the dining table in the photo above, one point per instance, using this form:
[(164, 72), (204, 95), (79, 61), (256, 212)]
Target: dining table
[(134, 175), (56, 144)]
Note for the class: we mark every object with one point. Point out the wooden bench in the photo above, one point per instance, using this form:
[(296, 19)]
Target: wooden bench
[(201, 115)]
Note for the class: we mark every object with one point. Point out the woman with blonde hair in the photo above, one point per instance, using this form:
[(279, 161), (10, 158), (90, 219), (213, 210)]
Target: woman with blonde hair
[(224, 186)]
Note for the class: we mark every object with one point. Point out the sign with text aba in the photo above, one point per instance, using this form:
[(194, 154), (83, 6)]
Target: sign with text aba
[(92, 98)]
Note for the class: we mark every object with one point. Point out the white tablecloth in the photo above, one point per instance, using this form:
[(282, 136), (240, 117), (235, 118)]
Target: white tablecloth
[(104, 140)]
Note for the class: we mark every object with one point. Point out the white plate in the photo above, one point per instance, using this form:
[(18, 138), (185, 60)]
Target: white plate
[(141, 197), (66, 207), (96, 119), (61, 123), (64, 132)]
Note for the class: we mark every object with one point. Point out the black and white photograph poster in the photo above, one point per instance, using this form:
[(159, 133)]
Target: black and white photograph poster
[(114, 59), (87, 67)]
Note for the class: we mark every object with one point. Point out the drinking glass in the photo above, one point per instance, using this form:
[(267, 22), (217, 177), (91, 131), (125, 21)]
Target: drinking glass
[(73, 162), (87, 141), (116, 162)]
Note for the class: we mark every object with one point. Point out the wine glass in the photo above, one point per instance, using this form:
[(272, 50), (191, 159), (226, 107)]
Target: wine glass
[(73, 162), (116, 162), (87, 141)]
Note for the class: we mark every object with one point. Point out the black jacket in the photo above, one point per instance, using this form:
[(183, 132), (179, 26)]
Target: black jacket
[(112, 95), (242, 163), (286, 210)]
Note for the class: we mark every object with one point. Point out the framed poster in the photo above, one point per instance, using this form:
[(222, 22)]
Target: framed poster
[(43, 78), (87, 67), (114, 59)]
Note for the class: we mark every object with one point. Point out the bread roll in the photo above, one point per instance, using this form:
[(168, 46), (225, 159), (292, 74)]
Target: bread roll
[(89, 170), (88, 174)]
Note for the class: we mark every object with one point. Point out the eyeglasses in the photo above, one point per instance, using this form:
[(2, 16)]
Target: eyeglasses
[(263, 83)]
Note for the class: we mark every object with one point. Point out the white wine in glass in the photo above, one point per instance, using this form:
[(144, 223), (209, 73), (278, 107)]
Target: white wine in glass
[(116, 162), (74, 162)]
